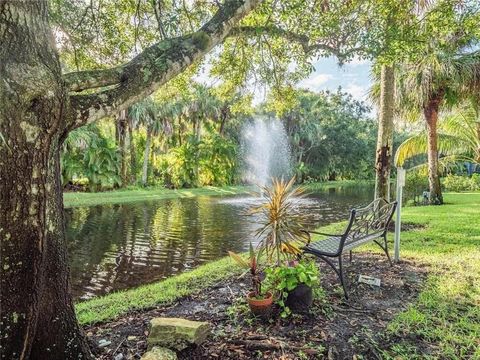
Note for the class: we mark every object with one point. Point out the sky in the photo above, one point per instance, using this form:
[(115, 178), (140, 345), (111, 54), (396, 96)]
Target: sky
[(353, 77)]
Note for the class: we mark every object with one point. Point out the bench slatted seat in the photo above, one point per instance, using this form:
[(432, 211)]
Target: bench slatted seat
[(368, 224)]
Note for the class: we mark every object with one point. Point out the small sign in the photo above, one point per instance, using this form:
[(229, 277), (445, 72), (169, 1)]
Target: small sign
[(369, 280)]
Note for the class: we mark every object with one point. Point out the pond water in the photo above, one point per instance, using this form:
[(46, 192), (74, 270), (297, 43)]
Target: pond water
[(114, 247)]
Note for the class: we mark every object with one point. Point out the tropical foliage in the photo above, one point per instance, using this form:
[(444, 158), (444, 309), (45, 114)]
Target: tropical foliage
[(90, 154), (441, 78), (194, 139), (458, 139), (462, 183), (323, 129)]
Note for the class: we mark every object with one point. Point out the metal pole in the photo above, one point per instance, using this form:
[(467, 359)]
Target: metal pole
[(398, 224)]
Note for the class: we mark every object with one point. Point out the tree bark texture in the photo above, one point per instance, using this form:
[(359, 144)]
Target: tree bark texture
[(383, 158), (37, 110), (37, 315), (431, 118)]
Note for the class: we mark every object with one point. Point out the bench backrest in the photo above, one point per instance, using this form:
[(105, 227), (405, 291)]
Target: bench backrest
[(372, 219)]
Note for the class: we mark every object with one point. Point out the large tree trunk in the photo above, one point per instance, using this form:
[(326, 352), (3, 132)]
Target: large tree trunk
[(431, 118), (385, 133), (146, 157), (36, 310)]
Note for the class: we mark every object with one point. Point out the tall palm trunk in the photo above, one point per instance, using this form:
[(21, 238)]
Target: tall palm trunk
[(431, 117), (385, 133), (196, 171), (146, 156), (477, 154), (133, 156), (122, 145), (224, 114)]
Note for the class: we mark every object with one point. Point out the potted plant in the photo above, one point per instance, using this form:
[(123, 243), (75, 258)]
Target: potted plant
[(260, 301), (282, 233), (293, 283)]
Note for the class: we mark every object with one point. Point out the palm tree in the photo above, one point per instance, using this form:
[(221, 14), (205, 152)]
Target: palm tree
[(150, 115), (458, 139), (436, 79), (385, 132), (120, 138), (204, 106)]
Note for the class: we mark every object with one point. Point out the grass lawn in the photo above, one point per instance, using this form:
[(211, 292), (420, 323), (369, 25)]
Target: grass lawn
[(447, 313), (445, 317)]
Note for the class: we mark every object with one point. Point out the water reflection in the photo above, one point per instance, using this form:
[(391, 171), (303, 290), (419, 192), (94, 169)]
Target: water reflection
[(115, 247)]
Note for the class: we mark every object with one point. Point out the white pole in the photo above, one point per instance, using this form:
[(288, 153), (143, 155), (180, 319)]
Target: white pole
[(398, 224)]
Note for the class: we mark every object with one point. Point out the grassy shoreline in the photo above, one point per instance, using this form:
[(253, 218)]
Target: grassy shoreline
[(75, 199), (446, 314)]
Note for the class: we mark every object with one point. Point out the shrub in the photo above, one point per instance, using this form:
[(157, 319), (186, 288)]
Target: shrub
[(415, 184), (462, 183)]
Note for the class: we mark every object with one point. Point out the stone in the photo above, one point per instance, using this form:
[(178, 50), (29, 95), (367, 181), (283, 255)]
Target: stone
[(102, 343), (176, 333), (159, 353), (131, 338)]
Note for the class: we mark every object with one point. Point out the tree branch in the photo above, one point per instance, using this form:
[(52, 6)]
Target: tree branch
[(91, 79), (150, 69), (304, 41)]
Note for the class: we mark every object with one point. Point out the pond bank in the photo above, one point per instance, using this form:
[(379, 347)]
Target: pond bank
[(442, 319), (74, 199)]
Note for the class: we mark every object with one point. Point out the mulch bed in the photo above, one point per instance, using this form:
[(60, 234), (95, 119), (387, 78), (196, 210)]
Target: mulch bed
[(334, 329)]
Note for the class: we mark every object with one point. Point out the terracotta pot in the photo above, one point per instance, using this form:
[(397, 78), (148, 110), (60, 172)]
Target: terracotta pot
[(260, 307)]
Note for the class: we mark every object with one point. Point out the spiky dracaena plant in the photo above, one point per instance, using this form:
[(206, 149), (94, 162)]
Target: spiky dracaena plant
[(282, 225)]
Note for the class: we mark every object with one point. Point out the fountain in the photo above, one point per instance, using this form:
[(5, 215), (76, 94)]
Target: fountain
[(266, 151)]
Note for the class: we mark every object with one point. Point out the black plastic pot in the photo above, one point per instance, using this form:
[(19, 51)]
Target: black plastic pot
[(300, 299)]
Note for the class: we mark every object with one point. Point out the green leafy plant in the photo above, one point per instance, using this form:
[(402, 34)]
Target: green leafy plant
[(416, 183), (462, 183), (286, 278), (281, 224), (252, 263)]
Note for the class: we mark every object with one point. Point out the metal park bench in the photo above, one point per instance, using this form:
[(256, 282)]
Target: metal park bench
[(365, 225)]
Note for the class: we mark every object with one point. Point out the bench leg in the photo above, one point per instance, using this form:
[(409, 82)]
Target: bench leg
[(385, 248), (338, 271), (342, 278)]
